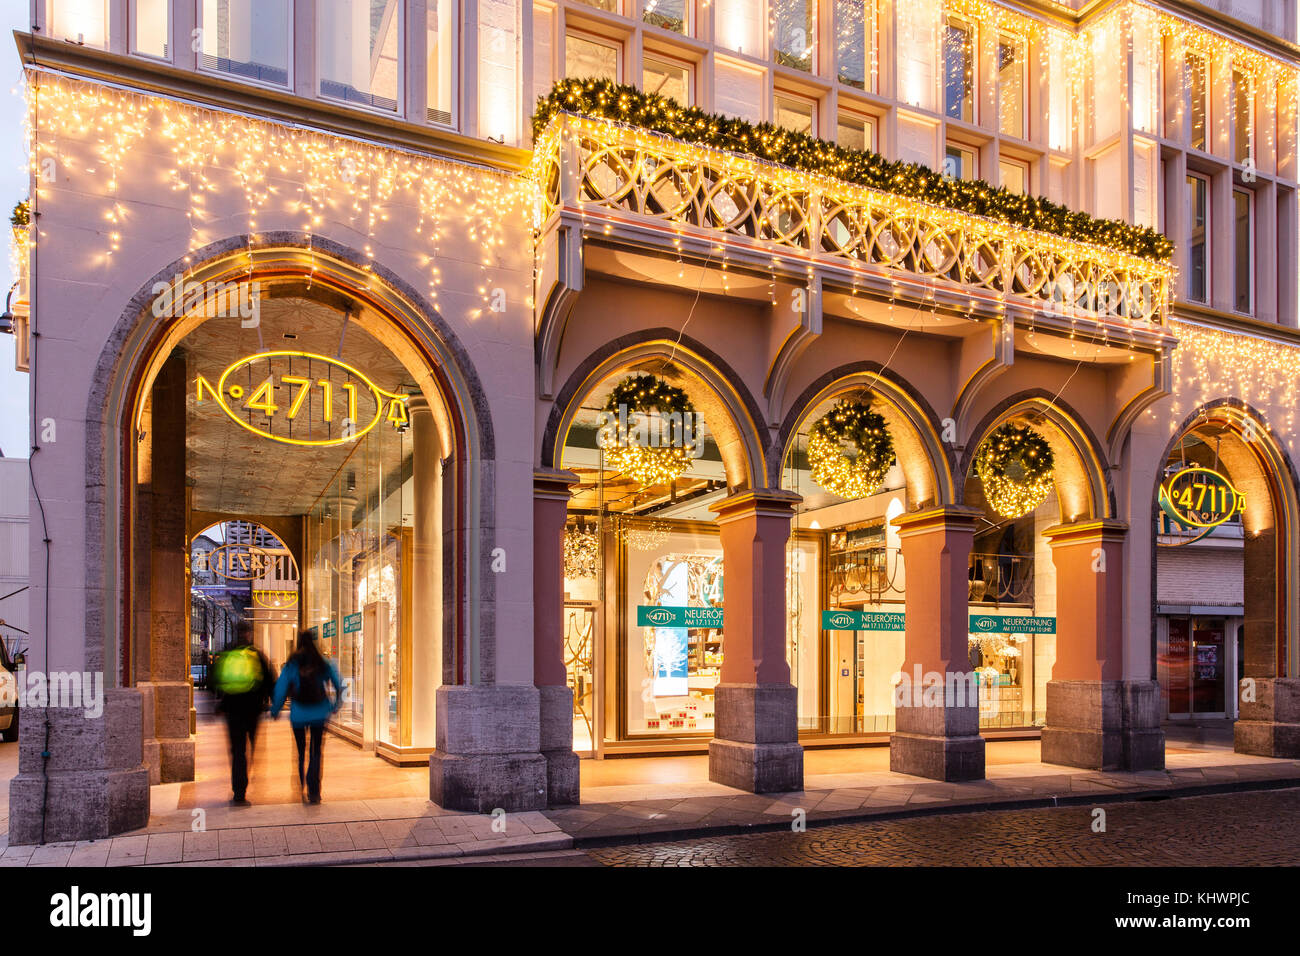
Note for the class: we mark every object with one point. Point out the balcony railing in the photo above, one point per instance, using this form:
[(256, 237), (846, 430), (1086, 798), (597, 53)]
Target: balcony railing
[(597, 166)]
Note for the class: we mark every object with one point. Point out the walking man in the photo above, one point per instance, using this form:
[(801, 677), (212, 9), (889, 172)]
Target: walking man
[(244, 681)]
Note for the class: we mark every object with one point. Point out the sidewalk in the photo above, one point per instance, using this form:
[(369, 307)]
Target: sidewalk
[(410, 828)]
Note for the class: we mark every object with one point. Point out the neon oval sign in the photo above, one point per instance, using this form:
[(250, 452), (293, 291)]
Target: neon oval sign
[(259, 396), (1199, 497)]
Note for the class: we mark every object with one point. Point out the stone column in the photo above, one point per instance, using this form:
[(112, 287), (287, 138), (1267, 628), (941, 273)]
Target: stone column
[(169, 748), (550, 511), (426, 591), (1095, 717), (1269, 721), (756, 739), (936, 706)]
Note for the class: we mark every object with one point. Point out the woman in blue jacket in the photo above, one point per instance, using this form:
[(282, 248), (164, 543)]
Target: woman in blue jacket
[(305, 678)]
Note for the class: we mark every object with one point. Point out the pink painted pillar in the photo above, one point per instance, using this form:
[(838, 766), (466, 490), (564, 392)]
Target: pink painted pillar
[(756, 736), (936, 705), (1095, 718), (550, 511)]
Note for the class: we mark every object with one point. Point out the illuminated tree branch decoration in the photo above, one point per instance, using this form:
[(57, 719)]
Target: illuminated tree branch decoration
[(850, 450), (1016, 466)]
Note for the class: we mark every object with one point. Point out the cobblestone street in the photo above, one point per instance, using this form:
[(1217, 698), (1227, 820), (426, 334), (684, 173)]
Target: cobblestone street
[(1238, 829)]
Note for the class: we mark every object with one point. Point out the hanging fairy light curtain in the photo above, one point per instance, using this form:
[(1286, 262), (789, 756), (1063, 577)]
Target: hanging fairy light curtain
[(649, 430), (850, 450), (1016, 466)]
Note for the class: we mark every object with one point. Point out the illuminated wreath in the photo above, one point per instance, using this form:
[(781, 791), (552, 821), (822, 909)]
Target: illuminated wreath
[(1015, 464), (653, 463), (856, 471)]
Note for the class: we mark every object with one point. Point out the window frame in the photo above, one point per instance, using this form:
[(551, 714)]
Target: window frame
[(455, 111), (866, 119), (1236, 251), (780, 94), (132, 18), (52, 8), (654, 56), (1022, 47), (599, 40), (871, 11), (1249, 157), (1025, 167), (1207, 268), (399, 108), (966, 150), (688, 23), (774, 45), (290, 63), (1207, 124), (972, 32)]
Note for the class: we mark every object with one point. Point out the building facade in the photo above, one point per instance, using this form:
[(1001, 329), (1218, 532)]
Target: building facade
[(652, 376)]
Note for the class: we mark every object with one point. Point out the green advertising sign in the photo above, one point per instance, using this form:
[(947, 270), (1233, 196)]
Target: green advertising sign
[(1011, 624), (352, 623), (689, 617), (862, 620), (330, 629)]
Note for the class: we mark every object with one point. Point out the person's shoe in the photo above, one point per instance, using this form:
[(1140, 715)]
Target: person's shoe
[(240, 802), (315, 799)]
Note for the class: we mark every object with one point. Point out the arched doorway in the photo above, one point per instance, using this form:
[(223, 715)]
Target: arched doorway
[(1225, 537), (309, 403)]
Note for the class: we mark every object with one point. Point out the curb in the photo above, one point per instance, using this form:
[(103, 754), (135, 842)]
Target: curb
[(669, 833), (450, 853)]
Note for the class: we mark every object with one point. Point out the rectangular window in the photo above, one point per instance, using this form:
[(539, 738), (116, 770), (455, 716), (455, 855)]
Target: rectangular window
[(587, 58), (440, 53), (856, 132), (668, 14), (959, 70), (151, 28), (1243, 259), (1198, 104), (610, 6), (855, 43), (1014, 175), (1011, 86), (1243, 117), (959, 163), (739, 25), (81, 21), (359, 51), (245, 38), (669, 79), (796, 114), (1198, 264), (794, 33)]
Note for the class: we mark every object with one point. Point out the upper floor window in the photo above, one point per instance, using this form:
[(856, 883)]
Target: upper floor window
[(81, 21), (359, 51), (1014, 175), (738, 25), (795, 113), (960, 162), (669, 14), (1198, 104), (1198, 258), (245, 38), (588, 57), (1011, 86), (959, 70), (794, 33), (440, 53), (856, 132), (610, 6), (855, 43), (1243, 117), (151, 28), (1243, 259), (668, 79)]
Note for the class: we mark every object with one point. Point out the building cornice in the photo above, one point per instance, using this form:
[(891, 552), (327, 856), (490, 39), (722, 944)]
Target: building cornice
[(1183, 311), (204, 89)]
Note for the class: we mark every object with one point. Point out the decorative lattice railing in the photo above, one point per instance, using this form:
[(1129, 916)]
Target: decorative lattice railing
[(584, 163)]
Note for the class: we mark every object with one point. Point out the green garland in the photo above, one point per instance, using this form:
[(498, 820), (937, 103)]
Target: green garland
[(22, 215), (604, 99), (1016, 465), (832, 469), (646, 393), (651, 464)]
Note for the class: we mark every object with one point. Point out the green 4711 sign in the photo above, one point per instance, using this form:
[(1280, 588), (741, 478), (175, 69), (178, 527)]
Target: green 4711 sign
[(688, 617)]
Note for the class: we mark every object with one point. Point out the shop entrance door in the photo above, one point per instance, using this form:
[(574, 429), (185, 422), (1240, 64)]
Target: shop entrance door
[(1206, 660)]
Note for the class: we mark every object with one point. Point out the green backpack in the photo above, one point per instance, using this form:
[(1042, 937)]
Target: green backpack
[(239, 670)]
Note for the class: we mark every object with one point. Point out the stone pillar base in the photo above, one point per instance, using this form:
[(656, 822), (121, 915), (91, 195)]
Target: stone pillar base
[(488, 745), (1104, 725), (951, 759), (556, 733), (1269, 725), (176, 760), (756, 738)]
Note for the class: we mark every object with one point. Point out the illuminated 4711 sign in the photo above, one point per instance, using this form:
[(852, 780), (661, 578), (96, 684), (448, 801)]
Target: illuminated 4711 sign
[(301, 398), (1197, 497)]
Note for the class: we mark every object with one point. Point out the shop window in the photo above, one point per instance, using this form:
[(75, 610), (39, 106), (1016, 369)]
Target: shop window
[(668, 14), (1014, 176), (84, 22), (1198, 258), (590, 58), (668, 79), (1243, 257), (796, 114), (1011, 86), (440, 52), (959, 163), (855, 43), (1197, 98), (151, 28), (359, 51), (1243, 117), (959, 70), (856, 132), (246, 39), (794, 33)]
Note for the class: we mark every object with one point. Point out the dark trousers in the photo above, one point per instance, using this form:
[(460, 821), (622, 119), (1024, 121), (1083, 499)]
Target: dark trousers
[(312, 779), (241, 722)]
